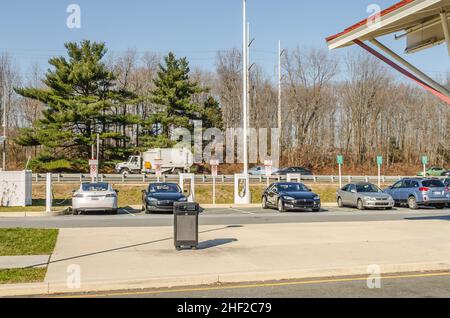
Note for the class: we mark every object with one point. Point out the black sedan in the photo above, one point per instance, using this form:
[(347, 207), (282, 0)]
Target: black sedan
[(290, 196), (294, 170), (160, 197)]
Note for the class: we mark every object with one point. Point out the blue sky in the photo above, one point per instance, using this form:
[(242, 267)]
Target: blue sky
[(32, 31)]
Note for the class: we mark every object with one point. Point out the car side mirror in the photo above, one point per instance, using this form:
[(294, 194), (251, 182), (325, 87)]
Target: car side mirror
[(117, 191), (310, 190), (144, 191)]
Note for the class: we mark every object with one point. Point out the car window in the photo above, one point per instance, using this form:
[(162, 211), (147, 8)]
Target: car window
[(407, 184), (166, 188), (351, 188), (433, 184), (292, 187), (398, 185), (415, 184), (367, 188), (95, 187), (345, 188)]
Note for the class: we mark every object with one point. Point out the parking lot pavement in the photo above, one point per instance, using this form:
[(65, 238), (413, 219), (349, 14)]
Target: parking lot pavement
[(120, 258), (408, 285), (129, 217)]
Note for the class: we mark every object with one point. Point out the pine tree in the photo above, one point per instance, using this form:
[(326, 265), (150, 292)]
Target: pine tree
[(80, 101), (173, 97)]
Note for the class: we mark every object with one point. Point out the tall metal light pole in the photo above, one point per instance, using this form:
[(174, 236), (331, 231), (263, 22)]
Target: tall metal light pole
[(280, 128), (5, 89), (245, 89)]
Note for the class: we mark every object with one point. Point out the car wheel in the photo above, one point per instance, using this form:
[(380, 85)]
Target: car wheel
[(360, 205), (340, 203), (264, 203), (388, 208), (125, 172), (412, 203), (440, 206), (281, 207)]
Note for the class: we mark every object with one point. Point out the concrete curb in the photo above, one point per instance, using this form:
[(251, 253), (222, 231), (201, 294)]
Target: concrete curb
[(197, 280), (30, 214)]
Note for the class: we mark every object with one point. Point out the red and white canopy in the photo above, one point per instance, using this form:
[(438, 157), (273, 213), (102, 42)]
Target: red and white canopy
[(424, 23)]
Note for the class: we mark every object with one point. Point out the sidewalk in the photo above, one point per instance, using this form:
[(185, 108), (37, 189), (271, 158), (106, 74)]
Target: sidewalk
[(133, 258), (9, 262)]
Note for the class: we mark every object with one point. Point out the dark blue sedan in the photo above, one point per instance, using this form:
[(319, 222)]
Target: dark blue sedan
[(160, 197)]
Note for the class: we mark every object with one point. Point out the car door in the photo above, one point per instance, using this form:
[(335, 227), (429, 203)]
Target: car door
[(347, 197), (395, 191)]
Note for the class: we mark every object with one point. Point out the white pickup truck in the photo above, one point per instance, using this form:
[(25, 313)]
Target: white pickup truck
[(172, 160)]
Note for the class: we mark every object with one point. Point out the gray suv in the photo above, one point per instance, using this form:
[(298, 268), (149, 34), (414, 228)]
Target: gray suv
[(420, 191)]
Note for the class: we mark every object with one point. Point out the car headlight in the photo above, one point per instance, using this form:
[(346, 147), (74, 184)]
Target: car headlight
[(289, 198), (78, 195), (150, 199), (371, 199), (317, 198), (184, 199)]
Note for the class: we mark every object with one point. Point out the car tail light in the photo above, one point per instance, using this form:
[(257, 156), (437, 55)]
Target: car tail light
[(423, 189), (447, 189), (78, 196), (111, 195)]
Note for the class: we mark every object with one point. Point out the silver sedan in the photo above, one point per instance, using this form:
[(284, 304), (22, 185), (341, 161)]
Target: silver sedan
[(94, 197), (364, 196)]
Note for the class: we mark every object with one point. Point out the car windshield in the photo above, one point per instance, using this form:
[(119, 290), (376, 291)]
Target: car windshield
[(167, 188), (367, 188), (292, 187), (95, 187), (433, 184)]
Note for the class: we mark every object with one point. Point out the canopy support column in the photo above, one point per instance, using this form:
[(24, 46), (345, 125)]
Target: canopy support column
[(446, 28), (405, 72), (424, 77)]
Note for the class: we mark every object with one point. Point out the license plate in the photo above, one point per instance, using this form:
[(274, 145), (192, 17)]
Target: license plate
[(438, 193), (95, 199)]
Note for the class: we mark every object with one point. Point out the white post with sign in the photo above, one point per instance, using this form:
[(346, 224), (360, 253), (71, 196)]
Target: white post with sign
[(340, 161), (48, 194), (158, 171), (190, 177), (425, 163), (268, 167), (214, 173), (93, 164), (379, 163)]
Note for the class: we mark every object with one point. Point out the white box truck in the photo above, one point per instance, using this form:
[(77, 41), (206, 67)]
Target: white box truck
[(172, 160)]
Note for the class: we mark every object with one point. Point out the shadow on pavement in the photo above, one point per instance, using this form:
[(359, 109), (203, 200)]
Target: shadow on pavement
[(132, 246), (430, 218), (214, 243)]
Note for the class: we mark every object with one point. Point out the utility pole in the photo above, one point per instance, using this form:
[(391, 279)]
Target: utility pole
[(280, 54), (245, 87), (5, 92), (249, 67)]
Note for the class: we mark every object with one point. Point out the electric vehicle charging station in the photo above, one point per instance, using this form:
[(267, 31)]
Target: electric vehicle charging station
[(188, 179), (294, 177), (242, 194)]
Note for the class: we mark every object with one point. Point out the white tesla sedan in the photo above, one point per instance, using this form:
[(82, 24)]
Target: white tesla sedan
[(94, 197)]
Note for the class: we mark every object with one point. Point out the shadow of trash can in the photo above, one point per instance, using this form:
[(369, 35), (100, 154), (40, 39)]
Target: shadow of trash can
[(186, 225)]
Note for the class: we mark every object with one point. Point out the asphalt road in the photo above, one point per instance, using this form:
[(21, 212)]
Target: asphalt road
[(131, 218), (411, 285)]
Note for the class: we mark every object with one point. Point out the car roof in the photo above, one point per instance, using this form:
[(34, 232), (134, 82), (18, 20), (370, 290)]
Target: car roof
[(163, 183)]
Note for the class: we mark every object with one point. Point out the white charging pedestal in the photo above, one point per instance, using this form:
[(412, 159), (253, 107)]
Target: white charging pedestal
[(190, 177), (242, 196)]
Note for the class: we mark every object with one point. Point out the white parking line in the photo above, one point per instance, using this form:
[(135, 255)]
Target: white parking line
[(128, 212), (241, 211)]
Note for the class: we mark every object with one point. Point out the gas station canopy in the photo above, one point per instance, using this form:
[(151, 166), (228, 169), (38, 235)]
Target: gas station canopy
[(424, 24)]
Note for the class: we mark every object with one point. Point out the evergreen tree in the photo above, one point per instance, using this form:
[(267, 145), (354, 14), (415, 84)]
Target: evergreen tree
[(173, 96), (80, 101)]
